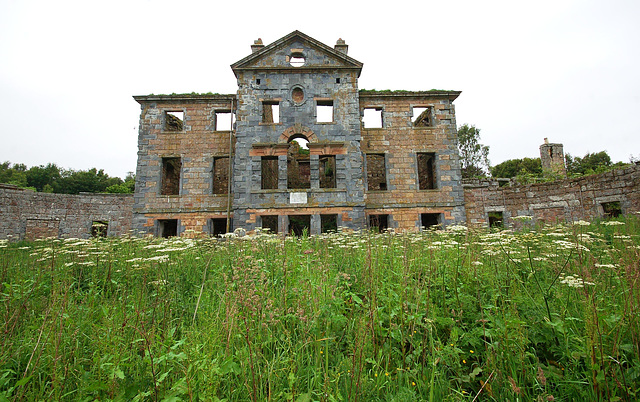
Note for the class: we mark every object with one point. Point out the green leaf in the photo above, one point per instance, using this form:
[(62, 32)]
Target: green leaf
[(23, 381)]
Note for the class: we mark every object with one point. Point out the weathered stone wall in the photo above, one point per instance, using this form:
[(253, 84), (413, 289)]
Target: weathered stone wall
[(327, 78), (199, 142), (401, 141), (563, 200), (25, 214)]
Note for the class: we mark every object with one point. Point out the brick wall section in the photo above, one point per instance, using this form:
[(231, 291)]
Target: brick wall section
[(27, 214), (197, 144), (564, 200), (400, 141)]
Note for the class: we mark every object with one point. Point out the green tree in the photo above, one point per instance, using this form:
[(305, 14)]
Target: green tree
[(474, 157), (41, 176), (589, 164), (89, 181), (128, 186), (15, 175), (513, 167)]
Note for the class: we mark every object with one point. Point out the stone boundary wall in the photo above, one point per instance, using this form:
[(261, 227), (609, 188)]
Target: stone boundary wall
[(25, 214), (564, 200)]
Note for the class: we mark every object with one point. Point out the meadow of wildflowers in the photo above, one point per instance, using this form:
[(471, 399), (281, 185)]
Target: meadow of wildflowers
[(539, 314)]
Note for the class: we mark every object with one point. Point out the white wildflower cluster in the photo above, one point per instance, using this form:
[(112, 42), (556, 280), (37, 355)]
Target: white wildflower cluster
[(457, 228), (574, 281), (605, 266), (567, 245), (4, 243), (613, 223), (522, 218), (581, 223), (158, 258)]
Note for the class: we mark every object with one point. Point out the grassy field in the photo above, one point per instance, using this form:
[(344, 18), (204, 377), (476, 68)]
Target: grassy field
[(540, 314)]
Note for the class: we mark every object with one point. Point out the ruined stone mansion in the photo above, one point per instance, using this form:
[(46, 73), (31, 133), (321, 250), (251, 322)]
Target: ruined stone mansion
[(295, 148), (300, 148)]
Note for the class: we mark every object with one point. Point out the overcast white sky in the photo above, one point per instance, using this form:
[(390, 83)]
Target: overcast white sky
[(566, 70)]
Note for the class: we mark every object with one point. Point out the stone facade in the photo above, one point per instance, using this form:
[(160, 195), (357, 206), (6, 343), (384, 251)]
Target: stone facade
[(585, 198), (27, 215), (297, 90), (294, 150)]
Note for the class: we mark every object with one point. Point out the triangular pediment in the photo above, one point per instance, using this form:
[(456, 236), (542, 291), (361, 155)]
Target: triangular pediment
[(296, 51)]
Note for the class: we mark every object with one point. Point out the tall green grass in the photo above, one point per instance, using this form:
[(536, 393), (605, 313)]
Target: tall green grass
[(547, 313)]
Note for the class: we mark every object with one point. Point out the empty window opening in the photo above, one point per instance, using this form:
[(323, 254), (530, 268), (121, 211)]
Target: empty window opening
[(99, 228), (298, 164), (270, 112), (269, 168), (328, 223), (372, 118), (297, 94), (218, 226), (297, 59), (612, 209), (270, 223), (171, 168), (426, 171), (379, 223), (220, 175), (429, 220), (224, 120), (376, 172), (327, 171), (496, 219), (324, 111), (421, 117), (173, 121), (258, 81), (167, 227), (299, 225), (337, 80)]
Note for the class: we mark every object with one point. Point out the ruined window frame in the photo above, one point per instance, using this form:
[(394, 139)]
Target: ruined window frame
[(215, 222), (270, 216), (325, 220), (436, 215), (291, 171), (271, 103), (99, 229), (166, 160), (611, 209), (367, 170), (168, 116), (376, 109), (495, 219), (424, 184), (301, 231), (377, 217), (429, 112), (264, 160), (216, 126), (321, 103), (161, 229), (213, 174), (321, 174)]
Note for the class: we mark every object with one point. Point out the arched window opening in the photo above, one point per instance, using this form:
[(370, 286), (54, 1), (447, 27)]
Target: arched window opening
[(298, 163)]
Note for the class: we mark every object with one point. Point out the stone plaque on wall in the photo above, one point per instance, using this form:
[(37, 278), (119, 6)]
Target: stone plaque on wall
[(298, 198)]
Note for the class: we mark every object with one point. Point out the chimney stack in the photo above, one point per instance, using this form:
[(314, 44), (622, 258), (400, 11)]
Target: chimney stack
[(341, 46), (257, 45)]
